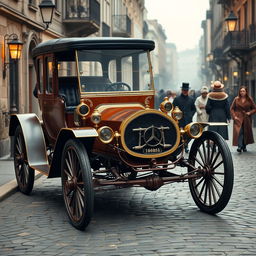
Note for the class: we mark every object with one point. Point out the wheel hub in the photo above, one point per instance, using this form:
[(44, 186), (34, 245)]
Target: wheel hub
[(72, 184)]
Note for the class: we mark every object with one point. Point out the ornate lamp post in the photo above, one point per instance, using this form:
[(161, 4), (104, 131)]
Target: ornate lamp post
[(46, 8), (231, 21)]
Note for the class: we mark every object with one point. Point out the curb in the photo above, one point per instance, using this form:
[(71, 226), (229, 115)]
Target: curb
[(11, 187)]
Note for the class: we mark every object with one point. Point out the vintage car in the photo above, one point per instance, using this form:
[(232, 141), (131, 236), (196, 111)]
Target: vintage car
[(98, 127)]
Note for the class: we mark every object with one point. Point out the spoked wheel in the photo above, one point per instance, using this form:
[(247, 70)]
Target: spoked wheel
[(77, 184), (211, 154), (25, 175)]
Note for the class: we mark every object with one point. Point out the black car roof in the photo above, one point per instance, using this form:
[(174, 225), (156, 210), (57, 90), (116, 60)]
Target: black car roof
[(69, 44)]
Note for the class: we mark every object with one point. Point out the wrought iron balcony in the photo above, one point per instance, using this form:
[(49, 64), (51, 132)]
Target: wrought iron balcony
[(252, 36), (236, 41), (81, 17), (121, 26)]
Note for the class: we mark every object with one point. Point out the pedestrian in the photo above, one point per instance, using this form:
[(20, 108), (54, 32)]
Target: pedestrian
[(187, 105), (200, 104), (242, 109), (170, 96), (218, 109)]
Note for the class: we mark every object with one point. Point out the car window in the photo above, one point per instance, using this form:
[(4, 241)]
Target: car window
[(113, 70), (40, 75), (49, 68)]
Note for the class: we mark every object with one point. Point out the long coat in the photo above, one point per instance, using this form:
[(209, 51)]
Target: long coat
[(239, 109), (187, 105), (218, 111), (200, 104)]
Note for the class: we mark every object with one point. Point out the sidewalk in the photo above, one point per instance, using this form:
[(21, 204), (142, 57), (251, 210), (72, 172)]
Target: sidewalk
[(8, 184)]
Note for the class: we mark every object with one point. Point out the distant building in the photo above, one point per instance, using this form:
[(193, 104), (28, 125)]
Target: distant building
[(171, 66), (156, 33)]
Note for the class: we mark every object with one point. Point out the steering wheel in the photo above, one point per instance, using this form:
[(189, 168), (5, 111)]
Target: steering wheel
[(118, 86)]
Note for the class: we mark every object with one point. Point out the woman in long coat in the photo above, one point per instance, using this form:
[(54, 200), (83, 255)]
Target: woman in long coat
[(217, 108), (242, 109), (200, 104)]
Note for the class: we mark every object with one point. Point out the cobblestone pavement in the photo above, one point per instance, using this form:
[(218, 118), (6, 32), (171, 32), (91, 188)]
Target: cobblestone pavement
[(133, 221)]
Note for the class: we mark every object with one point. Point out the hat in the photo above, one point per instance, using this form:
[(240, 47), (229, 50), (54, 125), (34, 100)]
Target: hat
[(185, 86), (217, 91), (204, 89)]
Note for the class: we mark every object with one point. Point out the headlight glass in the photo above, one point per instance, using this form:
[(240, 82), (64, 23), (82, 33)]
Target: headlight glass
[(106, 134), (177, 113), (166, 105), (96, 117), (194, 130), (83, 109)]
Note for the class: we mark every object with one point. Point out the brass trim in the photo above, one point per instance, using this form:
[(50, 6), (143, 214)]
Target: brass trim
[(188, 127), (95, 113), (163, 104), (78, 110), (142, 112), (106, 141), (117, 93), (103, 107)]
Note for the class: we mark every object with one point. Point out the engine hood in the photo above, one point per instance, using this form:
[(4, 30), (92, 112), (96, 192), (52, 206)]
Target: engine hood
[(118, 112)]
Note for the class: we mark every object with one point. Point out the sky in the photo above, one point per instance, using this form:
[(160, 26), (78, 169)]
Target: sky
[(181, 20)]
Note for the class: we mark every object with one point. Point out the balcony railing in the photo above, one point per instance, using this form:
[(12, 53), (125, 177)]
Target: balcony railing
[(82, 17), (236, 40), (252, 35), (121, 26)]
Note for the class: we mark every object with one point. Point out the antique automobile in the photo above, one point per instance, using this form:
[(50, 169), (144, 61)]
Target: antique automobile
[(98, 127)]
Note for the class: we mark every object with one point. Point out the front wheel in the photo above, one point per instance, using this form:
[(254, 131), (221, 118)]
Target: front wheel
[(211, 154), (77, 184)]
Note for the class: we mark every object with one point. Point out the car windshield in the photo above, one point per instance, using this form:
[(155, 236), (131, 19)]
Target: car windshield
[(114, 70)]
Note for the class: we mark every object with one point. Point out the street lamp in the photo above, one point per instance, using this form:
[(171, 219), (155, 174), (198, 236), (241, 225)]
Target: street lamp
[(15, 48), (231, 21), (46, 8)]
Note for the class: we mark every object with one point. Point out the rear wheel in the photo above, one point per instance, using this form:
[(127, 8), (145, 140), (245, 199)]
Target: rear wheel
[(211, 154), (77, 184), (25, 175)]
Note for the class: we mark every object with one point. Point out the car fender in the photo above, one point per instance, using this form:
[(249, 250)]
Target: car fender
[(33, 137), (87, 135)]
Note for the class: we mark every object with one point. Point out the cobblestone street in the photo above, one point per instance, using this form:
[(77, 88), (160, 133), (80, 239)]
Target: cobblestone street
[(134, 221)]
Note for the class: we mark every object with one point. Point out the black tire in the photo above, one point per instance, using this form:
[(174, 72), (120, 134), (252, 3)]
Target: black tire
[(25, 175), (77, 186), (211, 153)]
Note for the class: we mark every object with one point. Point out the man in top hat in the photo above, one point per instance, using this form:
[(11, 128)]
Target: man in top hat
[(187, 105)]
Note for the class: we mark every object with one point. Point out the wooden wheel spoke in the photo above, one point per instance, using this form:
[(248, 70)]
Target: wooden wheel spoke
[(215, 187), (205, 155), (206, 189), (201, 180), (198, 161), (68, 171), (202, 189), (216, 166), (217, 180), (210, 192), (202, 157), (215, 159)]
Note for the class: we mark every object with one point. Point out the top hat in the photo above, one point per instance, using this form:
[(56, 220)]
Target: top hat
[(185, 86), (217, 91)]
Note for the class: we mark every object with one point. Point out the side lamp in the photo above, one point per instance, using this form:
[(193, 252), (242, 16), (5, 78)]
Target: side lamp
[(15, 48)]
